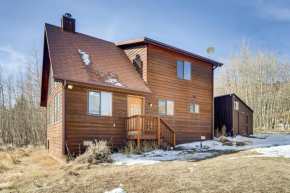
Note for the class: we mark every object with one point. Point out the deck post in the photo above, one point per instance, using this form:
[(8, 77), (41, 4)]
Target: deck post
[(138, 134), (174, 143), (158, 133)]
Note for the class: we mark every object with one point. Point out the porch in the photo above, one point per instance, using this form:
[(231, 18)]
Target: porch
[(139, 127)]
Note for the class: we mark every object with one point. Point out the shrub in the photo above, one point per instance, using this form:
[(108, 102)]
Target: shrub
[(98, 152), (221, 132)]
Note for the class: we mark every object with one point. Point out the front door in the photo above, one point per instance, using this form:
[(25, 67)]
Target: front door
[(135, 106)]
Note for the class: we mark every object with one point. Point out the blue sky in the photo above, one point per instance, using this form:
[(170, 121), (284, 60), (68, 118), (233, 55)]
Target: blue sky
[(190, 25)]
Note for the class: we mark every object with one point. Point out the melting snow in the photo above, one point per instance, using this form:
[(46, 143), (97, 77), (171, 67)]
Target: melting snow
[(111, 79), (114, 82), (116, 190), (85, 57), (276, 151), (272, 145)]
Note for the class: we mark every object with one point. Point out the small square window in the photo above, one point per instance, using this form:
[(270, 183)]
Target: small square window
[(194, 108), (166, 107), (236, 105)]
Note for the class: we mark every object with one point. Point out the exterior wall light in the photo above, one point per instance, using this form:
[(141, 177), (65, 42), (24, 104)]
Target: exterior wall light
[(150, 104), (70, 86)]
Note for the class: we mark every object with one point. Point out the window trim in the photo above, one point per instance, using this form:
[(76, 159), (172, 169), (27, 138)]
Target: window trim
[(236, 102), (49, 114), (194, 108), (178, 59), (56, 95), (166, 107), (100, 114), (55, 84)]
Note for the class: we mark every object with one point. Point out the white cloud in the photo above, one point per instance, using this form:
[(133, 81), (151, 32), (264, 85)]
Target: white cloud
[(273, 10), (11, 60)]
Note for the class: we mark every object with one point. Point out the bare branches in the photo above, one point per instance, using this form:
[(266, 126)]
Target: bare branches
[(262, 80), (22, 119)]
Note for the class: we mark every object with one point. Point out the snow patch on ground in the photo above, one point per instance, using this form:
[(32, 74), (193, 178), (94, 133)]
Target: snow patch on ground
[(157, 156), (273, 145), (276, 151), (116, 190), (85, 57)]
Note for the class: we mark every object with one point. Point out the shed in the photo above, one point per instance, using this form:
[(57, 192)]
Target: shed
[(235, 114)]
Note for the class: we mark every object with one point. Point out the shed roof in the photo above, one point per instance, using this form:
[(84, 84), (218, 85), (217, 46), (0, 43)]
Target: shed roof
[(233, 94), (154, 42)]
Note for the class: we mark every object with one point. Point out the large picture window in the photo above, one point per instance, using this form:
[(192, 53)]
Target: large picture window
[(183, 69), (99, 103), (56, 108), (166, 107)]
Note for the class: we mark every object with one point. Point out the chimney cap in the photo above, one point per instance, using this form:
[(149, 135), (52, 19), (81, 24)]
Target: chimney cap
[(67, 15)]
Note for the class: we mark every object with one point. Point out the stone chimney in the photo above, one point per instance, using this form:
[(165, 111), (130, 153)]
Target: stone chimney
[(68, 23)]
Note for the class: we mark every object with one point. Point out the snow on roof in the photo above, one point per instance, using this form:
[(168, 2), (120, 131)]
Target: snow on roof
[(85, 57), (111, 79)]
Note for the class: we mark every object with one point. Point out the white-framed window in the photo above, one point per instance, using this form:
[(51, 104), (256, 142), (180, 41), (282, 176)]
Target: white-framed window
[(49, 114), (165, 107), (236, 105), (56, 84), (99, 103), (49, 83), (56, 108), (183, 69), (194, 108)]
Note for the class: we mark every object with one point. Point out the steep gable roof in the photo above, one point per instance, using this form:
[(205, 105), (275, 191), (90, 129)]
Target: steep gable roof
[(85, 59)]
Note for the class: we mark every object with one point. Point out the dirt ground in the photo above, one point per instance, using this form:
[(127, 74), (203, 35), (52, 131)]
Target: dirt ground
[(32, 170)]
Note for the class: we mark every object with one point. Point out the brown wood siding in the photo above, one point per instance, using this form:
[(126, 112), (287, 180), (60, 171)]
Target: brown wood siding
[(239, 123), (83, 127), (163, 82), (55, 130), (132, 51)]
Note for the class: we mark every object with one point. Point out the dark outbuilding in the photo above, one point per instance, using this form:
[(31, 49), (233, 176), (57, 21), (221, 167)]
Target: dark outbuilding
[(235, 114)]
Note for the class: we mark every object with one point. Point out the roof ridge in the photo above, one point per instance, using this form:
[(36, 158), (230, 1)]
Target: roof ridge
[(79, 33)]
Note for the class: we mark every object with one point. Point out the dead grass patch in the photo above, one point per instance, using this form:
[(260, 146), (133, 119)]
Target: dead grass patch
[(219, 174)]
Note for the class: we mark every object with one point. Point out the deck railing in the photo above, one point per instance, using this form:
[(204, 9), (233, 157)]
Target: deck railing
[(167, 132), (148, 124)]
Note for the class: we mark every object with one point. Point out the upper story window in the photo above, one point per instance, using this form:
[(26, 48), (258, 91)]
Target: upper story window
[(165, 107), (194, 108), (183, 69), (236, 105), (99, 103), (56, 107)]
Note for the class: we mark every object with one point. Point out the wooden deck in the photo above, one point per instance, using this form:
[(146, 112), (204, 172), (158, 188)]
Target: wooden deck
[(147, 127)]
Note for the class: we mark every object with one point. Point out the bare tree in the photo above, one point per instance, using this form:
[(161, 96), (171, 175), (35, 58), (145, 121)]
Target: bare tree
[(262, 80)]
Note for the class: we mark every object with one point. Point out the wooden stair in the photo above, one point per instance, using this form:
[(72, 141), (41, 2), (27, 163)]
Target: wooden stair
[(148, 127)]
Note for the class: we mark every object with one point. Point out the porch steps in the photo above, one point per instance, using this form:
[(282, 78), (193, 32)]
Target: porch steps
[(165, 144)]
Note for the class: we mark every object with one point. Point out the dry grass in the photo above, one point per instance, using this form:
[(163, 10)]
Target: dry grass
[(98, 152), (146, 146), (35, 171)]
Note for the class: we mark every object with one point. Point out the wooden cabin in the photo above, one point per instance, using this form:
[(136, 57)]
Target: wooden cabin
[(235, 114), (137, 89)]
